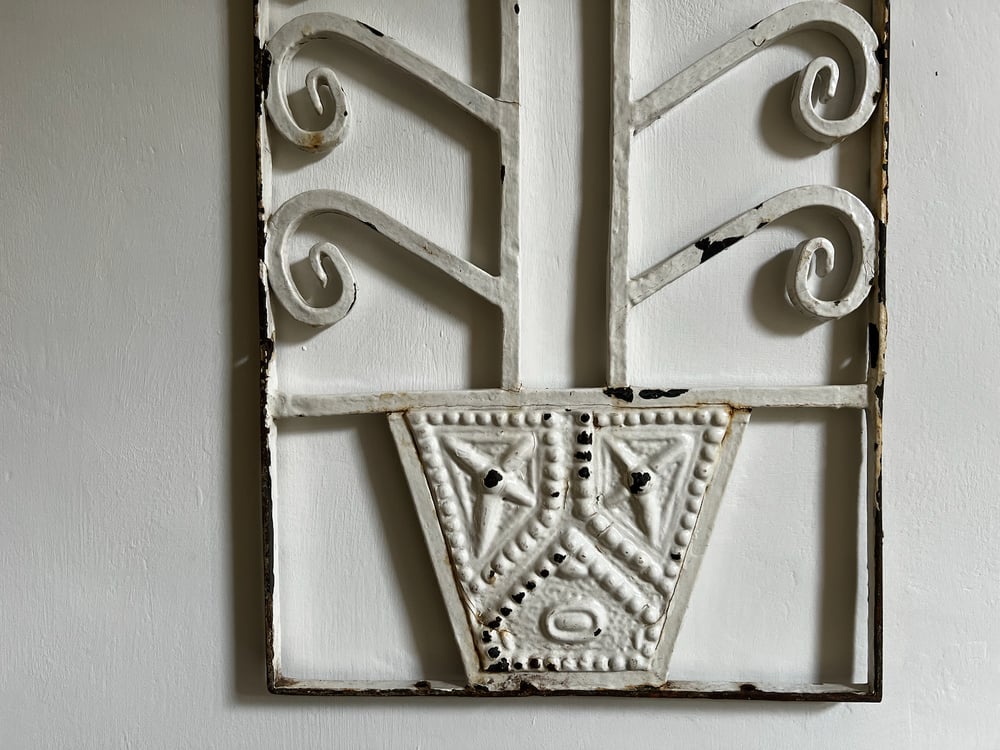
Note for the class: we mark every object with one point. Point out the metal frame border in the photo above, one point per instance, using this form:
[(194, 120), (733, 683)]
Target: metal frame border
[(868, 692)]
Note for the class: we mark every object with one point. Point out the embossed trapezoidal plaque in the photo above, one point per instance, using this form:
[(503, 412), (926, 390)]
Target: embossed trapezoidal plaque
[(568, 531), (565, 527)]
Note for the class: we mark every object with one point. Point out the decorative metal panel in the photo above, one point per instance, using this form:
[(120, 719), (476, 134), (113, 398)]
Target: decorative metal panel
[(566, 526)]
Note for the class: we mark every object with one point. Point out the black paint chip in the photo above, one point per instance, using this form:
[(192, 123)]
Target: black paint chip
[(622, 394), (873, 344), (500, 666), (492, 478), (639, 480), (654, 393), (709, 248)]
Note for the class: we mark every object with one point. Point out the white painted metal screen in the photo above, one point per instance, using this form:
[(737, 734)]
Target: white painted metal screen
[(562, 305)]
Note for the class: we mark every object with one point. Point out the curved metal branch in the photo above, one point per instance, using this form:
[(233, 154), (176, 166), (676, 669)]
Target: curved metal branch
[(311, 26), (853, 214), (287, 219), (839, 20)]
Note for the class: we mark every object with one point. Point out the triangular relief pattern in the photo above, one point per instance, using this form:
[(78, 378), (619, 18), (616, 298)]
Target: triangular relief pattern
[(567, 530)]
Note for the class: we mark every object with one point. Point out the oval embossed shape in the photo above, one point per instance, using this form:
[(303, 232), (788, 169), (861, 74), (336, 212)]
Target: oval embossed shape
[(574, 622)]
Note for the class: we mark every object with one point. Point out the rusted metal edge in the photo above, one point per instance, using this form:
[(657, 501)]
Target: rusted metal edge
[(744, 691), (261, 63), (878, 326)]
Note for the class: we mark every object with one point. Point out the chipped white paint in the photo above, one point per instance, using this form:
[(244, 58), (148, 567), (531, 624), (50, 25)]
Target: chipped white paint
[(287, 219), (849, 209), (284, 405), (568, 532), (566, 527), (630, 118), (500, 113), (822, 74)]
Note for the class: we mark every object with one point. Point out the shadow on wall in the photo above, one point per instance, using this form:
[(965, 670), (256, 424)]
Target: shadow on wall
[(247, 615)]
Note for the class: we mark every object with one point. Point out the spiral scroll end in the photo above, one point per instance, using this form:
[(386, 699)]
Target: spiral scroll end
[(316, 255), (821, 251), (332, 105), (323, 316), (821, 78), (315, 81)]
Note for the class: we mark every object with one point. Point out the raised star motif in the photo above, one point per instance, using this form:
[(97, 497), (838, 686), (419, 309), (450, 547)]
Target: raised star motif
[(493, 482), (648, 482)]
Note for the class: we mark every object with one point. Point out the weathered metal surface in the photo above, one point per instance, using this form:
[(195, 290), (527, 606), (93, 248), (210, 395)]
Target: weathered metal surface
[(747, 691), (500, 113), (517, 472), (630, 117), (285, 405), (573, 535), (877, 327)]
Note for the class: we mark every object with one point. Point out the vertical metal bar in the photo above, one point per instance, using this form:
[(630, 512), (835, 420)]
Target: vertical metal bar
[(877, 328), (510, 222), (621, 142), (268, 436)]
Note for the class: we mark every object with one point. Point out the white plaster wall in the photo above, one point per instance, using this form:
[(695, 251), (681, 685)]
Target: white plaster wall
[(130, 601)]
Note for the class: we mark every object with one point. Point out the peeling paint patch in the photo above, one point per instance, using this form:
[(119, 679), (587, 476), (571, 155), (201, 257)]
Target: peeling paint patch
[(881, 261), (500, 666), (639, 480), (622, 394), (873, 345), (655, 393), (262, 72), (710, 248)]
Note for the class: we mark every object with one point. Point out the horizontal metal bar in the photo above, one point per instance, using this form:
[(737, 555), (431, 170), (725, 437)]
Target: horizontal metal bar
[(285, 405), (829, 692)]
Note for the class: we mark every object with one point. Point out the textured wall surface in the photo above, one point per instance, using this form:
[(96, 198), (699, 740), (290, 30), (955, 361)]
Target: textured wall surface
[(130, 575)]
